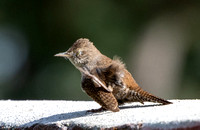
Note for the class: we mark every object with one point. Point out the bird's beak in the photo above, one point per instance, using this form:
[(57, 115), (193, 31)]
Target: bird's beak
[(63, 54)]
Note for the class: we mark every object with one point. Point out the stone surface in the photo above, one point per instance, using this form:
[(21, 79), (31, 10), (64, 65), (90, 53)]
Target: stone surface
[(72, 114)]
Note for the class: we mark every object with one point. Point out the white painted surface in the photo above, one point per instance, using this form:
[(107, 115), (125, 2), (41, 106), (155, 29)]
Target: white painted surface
[(182, 113)]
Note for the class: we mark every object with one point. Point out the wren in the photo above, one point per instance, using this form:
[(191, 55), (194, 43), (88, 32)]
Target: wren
[(105, 80)]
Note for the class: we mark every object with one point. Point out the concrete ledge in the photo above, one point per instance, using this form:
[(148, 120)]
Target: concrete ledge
[(72, 115)]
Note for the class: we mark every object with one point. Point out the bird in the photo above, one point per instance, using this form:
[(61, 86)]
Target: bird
[(106, 80)]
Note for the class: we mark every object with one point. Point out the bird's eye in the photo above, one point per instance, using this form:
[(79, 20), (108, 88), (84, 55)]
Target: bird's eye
[(79, 53)]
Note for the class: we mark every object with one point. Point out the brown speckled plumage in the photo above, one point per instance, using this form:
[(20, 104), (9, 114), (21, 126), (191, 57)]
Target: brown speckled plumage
[(106, 81), (100, 95)]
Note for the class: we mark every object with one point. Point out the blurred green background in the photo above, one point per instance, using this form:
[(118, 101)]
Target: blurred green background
[(158, 40)]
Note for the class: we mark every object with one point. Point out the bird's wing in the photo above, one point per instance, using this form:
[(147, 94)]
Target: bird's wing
[(99, 94), (111, 74), (97, 81)]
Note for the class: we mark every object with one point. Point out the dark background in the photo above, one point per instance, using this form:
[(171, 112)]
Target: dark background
[(158, 40)]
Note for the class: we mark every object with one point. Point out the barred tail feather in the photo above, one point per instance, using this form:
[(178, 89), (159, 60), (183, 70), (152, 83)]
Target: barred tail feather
[(145, 96)]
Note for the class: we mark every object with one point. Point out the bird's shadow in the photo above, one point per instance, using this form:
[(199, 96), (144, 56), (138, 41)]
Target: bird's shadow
[(57, 117), (138, 106), (76, 114)]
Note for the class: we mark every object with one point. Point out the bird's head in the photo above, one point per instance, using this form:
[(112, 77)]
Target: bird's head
[(81, 53)]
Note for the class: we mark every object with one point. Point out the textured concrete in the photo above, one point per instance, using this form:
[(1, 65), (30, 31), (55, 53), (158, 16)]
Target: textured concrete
[(72, 114)]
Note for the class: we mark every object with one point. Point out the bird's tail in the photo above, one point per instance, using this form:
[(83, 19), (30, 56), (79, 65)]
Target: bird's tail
[(145, 96)]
